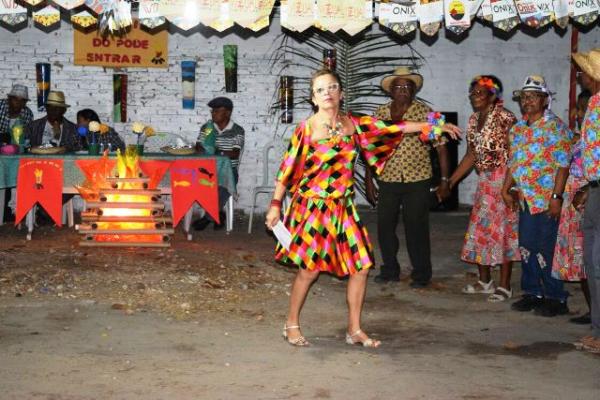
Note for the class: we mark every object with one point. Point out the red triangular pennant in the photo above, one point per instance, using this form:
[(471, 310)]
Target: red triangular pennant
[(155, 170), (40, 181), (194, 180)]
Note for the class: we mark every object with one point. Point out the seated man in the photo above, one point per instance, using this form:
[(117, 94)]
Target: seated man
[(54, 129), (221, 136), (13, 112)]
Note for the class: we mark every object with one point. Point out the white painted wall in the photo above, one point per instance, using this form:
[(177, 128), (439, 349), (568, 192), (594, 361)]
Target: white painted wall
[(154, 95)]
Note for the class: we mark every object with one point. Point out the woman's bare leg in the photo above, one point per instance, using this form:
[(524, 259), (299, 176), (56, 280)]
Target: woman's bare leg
[(302, 283)]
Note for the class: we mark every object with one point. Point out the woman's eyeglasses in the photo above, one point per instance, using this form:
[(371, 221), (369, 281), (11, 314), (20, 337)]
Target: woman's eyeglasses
[(478, 93), (334, 87)]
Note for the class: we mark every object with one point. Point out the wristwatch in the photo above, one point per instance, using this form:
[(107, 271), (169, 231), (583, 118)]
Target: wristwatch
[(556, 196)]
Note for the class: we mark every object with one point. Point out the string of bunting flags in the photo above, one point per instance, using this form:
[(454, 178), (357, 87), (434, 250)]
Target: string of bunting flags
[(350, 16)]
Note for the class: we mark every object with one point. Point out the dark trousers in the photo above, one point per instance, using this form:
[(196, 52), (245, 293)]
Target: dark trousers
[(537, 238), (591, 256), (414, 199)]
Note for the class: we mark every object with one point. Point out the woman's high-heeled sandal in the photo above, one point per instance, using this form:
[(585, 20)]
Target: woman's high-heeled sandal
[(300, 341), (367, 343)]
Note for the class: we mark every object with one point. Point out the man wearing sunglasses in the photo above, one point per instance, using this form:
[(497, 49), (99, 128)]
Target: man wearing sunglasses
[(405, 181)]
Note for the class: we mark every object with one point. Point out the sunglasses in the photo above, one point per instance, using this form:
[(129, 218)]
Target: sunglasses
[(334, 87)]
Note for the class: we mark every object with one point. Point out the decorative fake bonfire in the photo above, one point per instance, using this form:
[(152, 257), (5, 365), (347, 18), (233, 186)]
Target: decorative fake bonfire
[(124, 210)]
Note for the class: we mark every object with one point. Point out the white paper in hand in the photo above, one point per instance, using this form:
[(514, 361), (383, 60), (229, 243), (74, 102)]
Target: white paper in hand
[(282, 234)]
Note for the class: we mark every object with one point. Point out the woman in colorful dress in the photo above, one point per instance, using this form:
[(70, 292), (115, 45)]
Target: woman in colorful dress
[(568, 252), (318, 169), (491, 237)]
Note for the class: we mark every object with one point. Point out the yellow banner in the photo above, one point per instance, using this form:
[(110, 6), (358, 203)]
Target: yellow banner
[(137, 49)]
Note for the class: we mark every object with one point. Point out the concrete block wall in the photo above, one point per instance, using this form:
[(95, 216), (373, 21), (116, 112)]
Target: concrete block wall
[(154, 95)]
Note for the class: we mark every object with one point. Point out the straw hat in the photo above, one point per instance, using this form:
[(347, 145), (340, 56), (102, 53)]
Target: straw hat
[(404, 73), (589, 62), (56, 99)]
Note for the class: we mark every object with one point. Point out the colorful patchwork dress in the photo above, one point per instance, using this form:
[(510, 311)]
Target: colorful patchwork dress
[(327, 234), (492, 235)]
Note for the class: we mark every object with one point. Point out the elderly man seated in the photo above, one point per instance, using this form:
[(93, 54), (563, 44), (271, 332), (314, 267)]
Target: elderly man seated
[(13, 113), (220, 135), (54, 129)]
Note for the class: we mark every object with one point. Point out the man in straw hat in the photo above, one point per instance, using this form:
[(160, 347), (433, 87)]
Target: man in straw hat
[(540, 149), (14, 111), (406, 181), (54, 129), (589, 64)]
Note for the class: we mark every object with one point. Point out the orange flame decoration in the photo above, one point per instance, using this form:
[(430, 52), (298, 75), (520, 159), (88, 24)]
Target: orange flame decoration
[(127, 167)]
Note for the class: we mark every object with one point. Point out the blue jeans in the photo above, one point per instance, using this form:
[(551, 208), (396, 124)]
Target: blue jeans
[(537, 238)]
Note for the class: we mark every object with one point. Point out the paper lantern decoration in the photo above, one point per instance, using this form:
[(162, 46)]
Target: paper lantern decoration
[(115, 18), (120, 98), (431, 14), (188, 84), (585, 12), (457, 16), (286, 98), (535, 13), (230, 61), (223, 22), (561, 13), (485, 11), (358, 15), (186, 14), (69, 4), (400, 18), (149, 14), (504, 14), (251, 14), (297, 15), (11, 13), (97, 6), (84, 19), (47, 17), (42, 77)]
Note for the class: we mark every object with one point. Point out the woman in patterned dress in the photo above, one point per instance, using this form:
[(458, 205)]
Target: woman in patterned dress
[(492, 236), (318, 169), (568, 252)]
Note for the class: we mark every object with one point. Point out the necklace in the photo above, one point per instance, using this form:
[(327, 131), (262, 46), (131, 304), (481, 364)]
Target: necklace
[(334, 131)]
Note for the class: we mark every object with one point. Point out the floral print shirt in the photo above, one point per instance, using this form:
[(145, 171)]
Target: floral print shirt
[(537, 152), (590, 136), (490, 145)]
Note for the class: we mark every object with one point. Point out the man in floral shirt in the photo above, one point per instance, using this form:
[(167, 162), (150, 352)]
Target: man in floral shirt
[(540, 145), (589, 63)]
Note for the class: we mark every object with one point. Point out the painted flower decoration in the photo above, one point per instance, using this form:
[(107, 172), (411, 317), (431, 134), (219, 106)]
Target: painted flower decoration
[(149, 131), (137, 128), (94, 126)]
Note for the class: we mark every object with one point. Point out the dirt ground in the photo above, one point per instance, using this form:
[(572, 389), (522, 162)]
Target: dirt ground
[(203, 319)]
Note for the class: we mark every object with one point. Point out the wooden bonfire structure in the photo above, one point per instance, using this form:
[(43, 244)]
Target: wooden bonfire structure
[(121, 210)]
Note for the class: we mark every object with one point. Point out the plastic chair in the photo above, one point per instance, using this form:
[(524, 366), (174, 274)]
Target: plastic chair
[(277, 146)]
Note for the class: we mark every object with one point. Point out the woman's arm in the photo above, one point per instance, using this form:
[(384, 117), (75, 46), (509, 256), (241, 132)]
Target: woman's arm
[(465, 165), (411, 126), (274, 212)]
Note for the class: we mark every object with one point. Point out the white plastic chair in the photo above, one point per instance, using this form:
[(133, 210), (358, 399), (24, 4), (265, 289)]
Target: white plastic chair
[(277, 147)]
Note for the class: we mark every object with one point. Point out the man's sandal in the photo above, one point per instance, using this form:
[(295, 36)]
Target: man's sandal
[(500, 295), (300, 341), (350, 339), (479, 288)]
